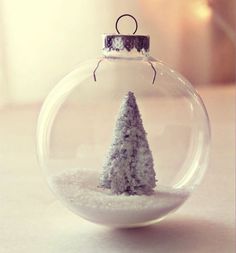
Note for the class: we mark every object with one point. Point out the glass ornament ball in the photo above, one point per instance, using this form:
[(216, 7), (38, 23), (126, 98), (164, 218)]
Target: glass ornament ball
[(76, 131)]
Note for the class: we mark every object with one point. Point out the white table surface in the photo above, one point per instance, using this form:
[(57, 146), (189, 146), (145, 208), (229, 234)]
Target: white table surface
[(32, 220)]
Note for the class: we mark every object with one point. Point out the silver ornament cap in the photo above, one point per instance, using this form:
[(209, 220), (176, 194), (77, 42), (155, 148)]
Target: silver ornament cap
[(120, 42), (126, 42)]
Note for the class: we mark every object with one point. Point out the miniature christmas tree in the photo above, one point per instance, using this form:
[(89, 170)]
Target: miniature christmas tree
[(129, 165)]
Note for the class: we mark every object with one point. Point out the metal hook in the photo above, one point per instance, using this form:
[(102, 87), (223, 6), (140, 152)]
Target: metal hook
[(155, 72), (94, 72), (127, 15)]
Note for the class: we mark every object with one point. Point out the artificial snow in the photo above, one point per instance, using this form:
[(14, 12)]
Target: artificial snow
[(129, 165), (78, 188)]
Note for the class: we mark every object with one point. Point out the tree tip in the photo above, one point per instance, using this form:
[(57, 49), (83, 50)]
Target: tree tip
[(130, 94), (130, 98)]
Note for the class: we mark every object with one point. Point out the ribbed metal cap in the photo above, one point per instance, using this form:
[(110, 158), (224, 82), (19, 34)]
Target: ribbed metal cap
[(120, 42)]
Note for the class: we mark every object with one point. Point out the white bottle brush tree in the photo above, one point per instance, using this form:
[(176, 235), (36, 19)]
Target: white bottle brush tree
[(129, 165)]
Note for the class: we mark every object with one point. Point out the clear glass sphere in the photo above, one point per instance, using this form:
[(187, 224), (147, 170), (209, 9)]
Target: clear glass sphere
[(75, 129)]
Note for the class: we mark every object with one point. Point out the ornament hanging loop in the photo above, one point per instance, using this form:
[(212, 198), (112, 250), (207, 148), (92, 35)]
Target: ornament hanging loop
[(127, 15)]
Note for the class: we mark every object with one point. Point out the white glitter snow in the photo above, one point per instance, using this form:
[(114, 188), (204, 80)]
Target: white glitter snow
[(78, 189)]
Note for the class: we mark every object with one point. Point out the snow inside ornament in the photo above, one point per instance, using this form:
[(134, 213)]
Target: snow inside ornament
[(145, 174)]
